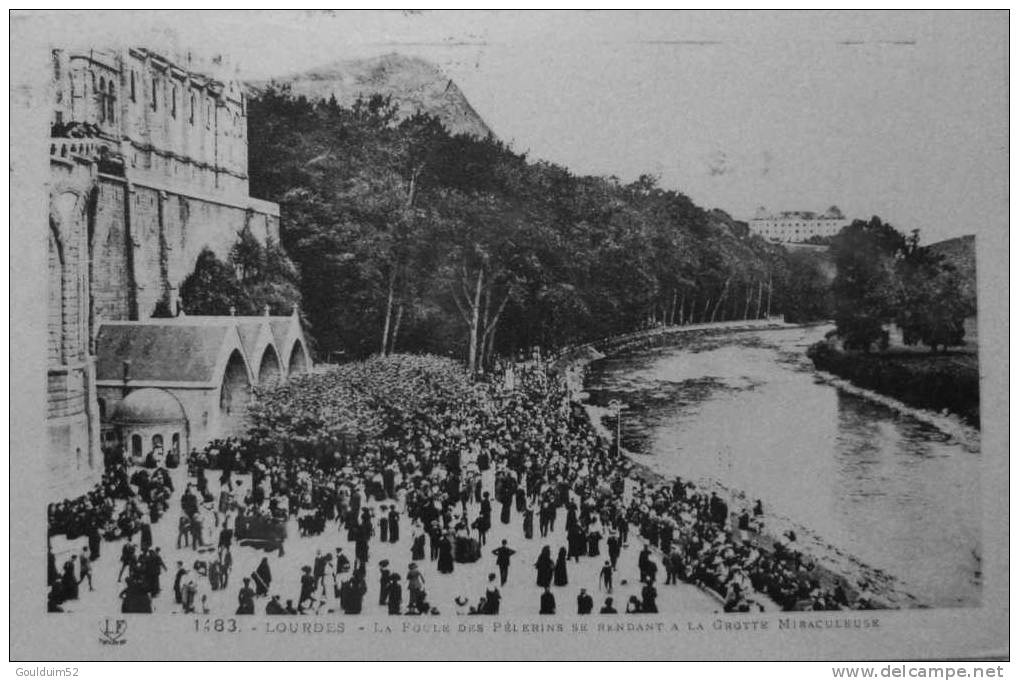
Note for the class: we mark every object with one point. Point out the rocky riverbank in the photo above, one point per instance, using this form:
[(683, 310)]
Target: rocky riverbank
[(831, 565), (939, 383)]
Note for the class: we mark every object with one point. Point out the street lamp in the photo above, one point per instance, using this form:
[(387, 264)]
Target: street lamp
[(618, 407)]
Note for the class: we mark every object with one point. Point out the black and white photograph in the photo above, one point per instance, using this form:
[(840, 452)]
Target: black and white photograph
[(527, 335)]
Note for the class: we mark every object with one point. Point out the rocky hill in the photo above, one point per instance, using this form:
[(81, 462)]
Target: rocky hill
[(414, 85), (961, 252)]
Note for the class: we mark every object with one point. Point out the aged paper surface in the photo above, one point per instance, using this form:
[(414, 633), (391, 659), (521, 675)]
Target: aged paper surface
[(813, 518)]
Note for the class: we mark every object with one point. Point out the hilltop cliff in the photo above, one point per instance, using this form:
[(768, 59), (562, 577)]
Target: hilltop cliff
[(414, 85), (961, 253)]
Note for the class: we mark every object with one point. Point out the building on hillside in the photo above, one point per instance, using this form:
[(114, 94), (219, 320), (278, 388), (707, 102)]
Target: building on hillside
[(148, 167), (797, 226)]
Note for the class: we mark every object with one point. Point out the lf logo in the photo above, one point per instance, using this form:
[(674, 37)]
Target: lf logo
[(113, 632)]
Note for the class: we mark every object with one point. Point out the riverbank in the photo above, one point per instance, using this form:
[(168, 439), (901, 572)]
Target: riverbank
[(831, 565), (948, 382)]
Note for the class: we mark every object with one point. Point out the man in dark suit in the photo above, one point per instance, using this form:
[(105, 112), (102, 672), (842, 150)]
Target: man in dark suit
[(394, 525), (614, 545), (607, 609), (584, 603), (649, 597), (644, 562), (547, 603), (384, 582), (502, 559)]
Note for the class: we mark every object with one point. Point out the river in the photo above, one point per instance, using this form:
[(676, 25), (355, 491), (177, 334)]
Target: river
[(747, 409)]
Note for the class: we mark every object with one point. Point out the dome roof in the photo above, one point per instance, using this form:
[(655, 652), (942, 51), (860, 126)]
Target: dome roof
[(148, 406)]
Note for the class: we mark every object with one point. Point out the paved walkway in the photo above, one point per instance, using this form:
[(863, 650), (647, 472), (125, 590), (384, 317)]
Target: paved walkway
[(520, 594)]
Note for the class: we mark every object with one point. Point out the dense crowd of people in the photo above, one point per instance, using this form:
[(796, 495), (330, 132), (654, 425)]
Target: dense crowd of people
[(419, 472)]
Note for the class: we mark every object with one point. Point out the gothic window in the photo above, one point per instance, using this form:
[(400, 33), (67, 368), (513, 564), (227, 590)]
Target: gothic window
[(191, 112), (134, 94), (155, 84), (208, 114), (173, 103), (101, 97), (55, 321), (111, 102)]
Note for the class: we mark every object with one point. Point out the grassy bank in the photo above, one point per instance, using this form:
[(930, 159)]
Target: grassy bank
[(927, 381)]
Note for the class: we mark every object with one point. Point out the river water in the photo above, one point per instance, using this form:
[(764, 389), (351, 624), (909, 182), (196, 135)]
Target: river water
[(747, 409)]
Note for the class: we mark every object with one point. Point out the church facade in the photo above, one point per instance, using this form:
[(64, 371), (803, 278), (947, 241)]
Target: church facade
[(148, 167)]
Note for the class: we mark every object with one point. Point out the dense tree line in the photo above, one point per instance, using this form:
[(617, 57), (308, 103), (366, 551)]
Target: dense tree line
[(254, 278), (884, 276), (409, 238)]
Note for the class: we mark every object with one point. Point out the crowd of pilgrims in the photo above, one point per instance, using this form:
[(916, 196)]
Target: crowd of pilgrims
[(550, 469)]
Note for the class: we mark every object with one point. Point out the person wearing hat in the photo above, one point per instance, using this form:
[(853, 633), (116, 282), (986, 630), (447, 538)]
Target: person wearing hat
[(502, 560), (342, 562), (415, 584), (547, 603), (493, 598), (273, 607), (246, 599), (585, 604), (177, 598), (307, 587), (605, 577)]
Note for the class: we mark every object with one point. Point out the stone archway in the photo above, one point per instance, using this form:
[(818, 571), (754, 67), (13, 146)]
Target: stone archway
[(298, 363), (269, 369), (234, 396), (55, 302)]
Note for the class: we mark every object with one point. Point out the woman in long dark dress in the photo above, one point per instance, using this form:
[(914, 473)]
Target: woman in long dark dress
[(545, 567), (246, 599), (361, 545), (529, 522), (577, 542), (68, 583), (263, 578), (593, 540), (417, 546), (507, 506), (395, 595), (561, 578), (445, 564)]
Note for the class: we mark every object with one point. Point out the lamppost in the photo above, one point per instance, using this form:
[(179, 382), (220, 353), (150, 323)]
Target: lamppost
[(618, 407), (726, 463)]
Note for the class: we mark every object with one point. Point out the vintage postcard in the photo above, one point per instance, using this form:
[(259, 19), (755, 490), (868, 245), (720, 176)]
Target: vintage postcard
[(509, 335)]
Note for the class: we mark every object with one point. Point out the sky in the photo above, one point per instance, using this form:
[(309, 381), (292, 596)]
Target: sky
[(902, 115)]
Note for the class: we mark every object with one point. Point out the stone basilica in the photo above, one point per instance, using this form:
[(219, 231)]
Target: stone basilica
[(148, 166)]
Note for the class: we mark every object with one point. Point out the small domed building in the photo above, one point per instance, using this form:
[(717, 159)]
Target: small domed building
[(190, 377), (150, 419)]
